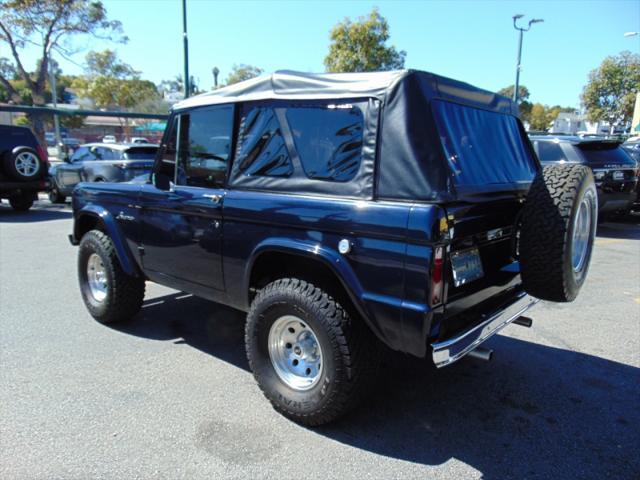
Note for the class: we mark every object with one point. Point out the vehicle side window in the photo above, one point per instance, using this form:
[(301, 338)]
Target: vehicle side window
[(205, 145), (550, 152), (81, 154), (102, 153), (328, 139), (261, 147)]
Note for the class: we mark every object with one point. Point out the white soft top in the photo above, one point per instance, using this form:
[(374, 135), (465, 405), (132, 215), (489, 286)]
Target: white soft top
[(286, 84)]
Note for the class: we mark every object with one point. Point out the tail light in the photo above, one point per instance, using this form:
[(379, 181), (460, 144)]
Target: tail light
[(42, 153), (437, 277)]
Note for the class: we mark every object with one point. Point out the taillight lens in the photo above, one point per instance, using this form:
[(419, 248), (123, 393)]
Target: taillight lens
[(42, 153), (437, 276)]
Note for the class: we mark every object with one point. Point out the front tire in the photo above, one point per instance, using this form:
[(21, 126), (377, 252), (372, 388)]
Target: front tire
[(309, 357), (110, 295), (55, 196)]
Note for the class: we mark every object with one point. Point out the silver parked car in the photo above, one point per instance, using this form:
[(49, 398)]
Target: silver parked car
[(100, 162)]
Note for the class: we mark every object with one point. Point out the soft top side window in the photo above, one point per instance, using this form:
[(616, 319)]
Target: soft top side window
[(261, 146), (328, 139)]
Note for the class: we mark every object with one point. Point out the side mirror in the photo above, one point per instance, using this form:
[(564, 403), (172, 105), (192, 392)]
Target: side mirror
[(162, 182)]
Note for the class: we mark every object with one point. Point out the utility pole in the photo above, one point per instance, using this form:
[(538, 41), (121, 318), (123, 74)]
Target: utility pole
[(521, 30), (187, 86)]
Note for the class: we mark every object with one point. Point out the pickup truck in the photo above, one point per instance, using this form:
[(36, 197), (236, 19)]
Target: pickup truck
[(346, 214)]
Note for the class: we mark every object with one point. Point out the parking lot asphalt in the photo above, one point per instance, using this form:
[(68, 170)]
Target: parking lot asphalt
[(170, 395)]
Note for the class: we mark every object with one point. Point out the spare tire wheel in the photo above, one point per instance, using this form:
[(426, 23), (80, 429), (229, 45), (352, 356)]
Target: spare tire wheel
[(23, 164), (559, 222)]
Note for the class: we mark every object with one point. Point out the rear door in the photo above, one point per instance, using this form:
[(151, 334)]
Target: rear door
[(68, 175), (492, 166), (182, 226)]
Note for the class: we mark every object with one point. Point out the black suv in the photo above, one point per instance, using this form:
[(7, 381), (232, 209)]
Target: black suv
[(614, 170), (23, 167), (343, 212)]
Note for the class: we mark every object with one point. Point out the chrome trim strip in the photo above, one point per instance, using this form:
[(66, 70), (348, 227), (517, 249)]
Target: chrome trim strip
[(453, 349)]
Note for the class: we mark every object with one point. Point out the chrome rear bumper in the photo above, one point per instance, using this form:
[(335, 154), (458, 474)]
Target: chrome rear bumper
[(448, 351)]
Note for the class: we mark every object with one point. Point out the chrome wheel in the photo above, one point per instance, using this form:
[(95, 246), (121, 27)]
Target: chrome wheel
[(27, 164), (97, 277), (581, 234), (295, 352)]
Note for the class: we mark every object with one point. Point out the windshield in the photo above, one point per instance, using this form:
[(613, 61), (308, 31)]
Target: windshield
[(483, 147), (146, 153)]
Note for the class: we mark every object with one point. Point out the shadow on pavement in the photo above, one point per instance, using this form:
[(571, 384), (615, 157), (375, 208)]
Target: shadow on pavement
[(534, 412), (626, 228), (38, 213), (210, 327)]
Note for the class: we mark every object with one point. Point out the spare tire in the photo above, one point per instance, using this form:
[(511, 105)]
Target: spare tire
[(558, 228), (24, 164)]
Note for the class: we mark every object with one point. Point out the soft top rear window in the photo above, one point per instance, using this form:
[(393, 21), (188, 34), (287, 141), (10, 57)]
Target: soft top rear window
[(483, 148), (141, 153)]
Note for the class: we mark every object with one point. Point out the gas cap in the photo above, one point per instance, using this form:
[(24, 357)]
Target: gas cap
[(344, 246)]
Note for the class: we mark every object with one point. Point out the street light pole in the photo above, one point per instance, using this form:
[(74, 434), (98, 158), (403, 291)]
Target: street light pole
[(521, 31), (186, 82)]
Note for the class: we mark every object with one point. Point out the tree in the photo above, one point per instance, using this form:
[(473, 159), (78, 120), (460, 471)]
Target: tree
[(541, 115), (612, 87), (107, 64), (538, 118), (111, 83), (524, 106), (242, 72), (49, 25), (360, 46), (177, 85)]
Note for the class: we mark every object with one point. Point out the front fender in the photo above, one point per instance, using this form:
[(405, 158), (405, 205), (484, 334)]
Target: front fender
[(332, 259), (111, 227)]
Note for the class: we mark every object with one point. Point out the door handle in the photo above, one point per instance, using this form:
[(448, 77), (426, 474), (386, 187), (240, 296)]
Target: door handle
[(213, 197)]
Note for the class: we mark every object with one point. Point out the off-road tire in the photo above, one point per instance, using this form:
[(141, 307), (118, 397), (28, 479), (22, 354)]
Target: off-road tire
[(9, 165), (55, 196), (349, 352), (125, 293), (546, 236), (22, 202)]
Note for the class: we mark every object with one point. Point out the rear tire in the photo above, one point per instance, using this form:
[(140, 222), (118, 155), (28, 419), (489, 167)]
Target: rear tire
[(340, 352), (22, 202), (110, 295), (559, 222)]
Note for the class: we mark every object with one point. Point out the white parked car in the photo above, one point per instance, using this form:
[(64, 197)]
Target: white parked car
[(109, 139), (138, 140)]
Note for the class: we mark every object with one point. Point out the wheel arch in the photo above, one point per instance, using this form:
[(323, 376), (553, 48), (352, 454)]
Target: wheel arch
[(92, 217), (325, 268)]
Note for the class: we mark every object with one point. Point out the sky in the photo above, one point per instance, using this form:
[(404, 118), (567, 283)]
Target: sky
[(472, 41)]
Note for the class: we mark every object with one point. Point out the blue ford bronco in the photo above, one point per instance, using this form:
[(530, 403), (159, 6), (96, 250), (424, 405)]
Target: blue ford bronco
[(344, 213)]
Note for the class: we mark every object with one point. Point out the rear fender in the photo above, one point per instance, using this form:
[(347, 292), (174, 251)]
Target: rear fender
[(108, 223), (332, 259)]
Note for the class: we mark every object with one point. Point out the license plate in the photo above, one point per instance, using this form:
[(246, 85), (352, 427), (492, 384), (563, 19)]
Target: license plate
[(618, 175), (467, 266)]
